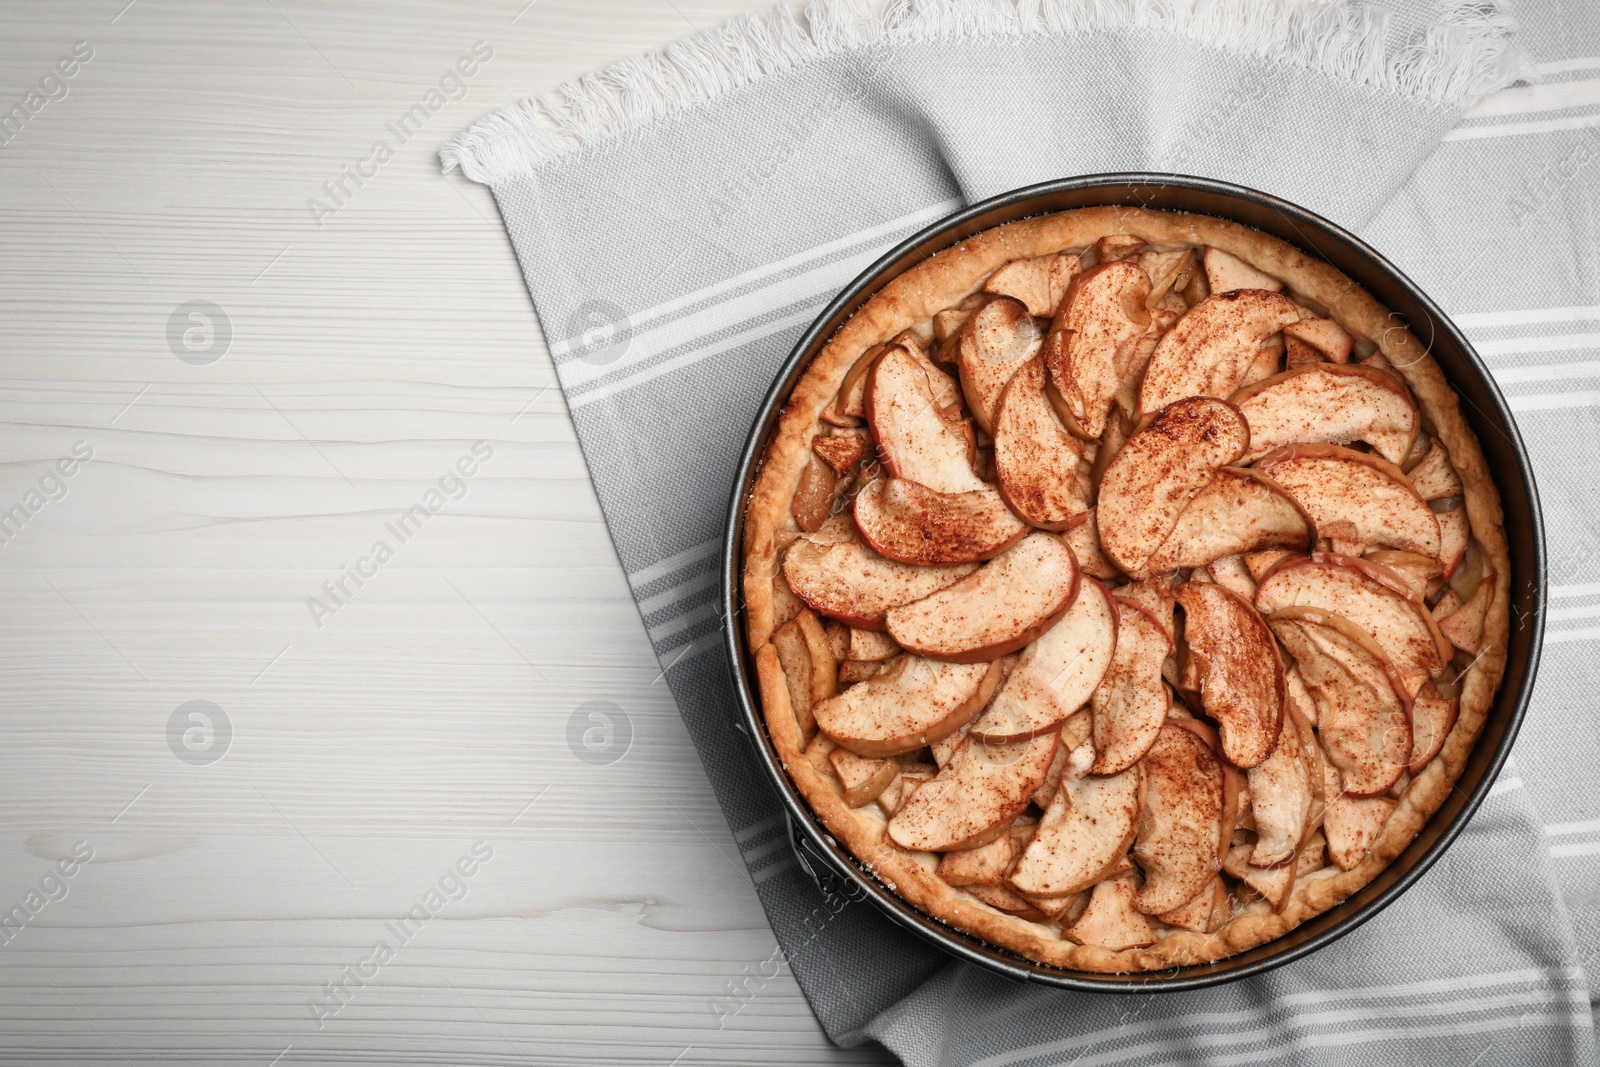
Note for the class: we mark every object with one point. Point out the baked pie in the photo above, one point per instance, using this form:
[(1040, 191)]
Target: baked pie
[(1125, 587)]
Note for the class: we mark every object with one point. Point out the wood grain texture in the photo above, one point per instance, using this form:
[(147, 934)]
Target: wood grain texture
[(370, 747)]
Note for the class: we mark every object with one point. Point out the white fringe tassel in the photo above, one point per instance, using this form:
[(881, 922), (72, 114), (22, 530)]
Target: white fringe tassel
[(1466, 55)]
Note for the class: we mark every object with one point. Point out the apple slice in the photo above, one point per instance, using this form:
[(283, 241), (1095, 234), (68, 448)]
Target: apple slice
[(1085, 832), (1212, 347), (1206, 913), (1159, 471), (1117, 246), (1111, 921), (1352, 823), (863, 779), (1332, 341), (1038, 283), (911, 704), (1432, 719), (1131, 702), (841, 449), (1377, 601), (1261, 562), (1464, 627), (1002, 606), (1355, 496), (1180, 825), (1296, 697), (1274, 883), (974, 798), (1415, 570), (1057, 673), (1453, 534), (1084, 540), (1035, 459), (1240, 510), (1434, 478), (1168, 271), (1227, 273), (1155, 596), (1363, 711), (911, 523), (999, 338), (984, 865), (872, 646), (1326, 403), (1231, 573), (847, 580), (1280, 799), (915, 439), (1233, 656), (1091, 348)]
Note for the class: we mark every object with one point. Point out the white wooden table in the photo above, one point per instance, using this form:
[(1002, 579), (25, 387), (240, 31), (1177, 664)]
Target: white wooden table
[(246, 863)]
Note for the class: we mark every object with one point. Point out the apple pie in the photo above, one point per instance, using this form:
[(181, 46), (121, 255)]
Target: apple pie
[(1125, 587)]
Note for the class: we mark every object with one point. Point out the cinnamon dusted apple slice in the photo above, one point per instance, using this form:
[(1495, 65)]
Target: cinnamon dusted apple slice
[(1434, 477), (911, 523), (1231, 573), (1240, 510), (863, 779), (848, 407), (984, 865), (1453, 534), (1161, 468), (1351, 823), (1180, 825), (1002, 606), (1326, 403), (1432, 719), (1035, 459), (847, 580), (1057, 673), (1331, 341), (974, 798), (1377, 602), (1227, 273), (915, 439), (999, 338), (1261, 562), (1155, 596), (1084, 540), (808, 665), (1206, 913), (1280, 799), (911, 704), (1363, 710), (1130, 704), (1210, 350), (1235, 661), (1085, 832), (1091, 348), (1464, 627), (841, 449), (1039, 283), (1358, 497), (1112, 921), (871, 646)]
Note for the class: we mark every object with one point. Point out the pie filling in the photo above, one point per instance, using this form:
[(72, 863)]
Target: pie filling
[(1127, 597)]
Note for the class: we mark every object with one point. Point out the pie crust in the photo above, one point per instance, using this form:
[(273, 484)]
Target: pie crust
[(945, 280)]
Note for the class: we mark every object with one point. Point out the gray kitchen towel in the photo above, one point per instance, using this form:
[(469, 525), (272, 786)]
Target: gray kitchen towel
[(681, 217)]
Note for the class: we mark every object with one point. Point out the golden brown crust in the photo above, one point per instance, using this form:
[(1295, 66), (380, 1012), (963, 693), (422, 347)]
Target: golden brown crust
[(941, 282)]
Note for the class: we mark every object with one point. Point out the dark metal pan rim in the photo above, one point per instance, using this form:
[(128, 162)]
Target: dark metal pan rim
[(1485, 408)]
